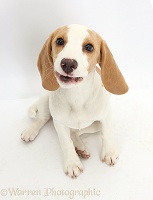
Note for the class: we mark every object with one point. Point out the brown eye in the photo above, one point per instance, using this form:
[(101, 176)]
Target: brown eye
[(89, 47), (60, 41)]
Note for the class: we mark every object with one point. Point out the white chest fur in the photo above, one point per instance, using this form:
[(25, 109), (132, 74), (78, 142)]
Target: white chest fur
[(80, 106)]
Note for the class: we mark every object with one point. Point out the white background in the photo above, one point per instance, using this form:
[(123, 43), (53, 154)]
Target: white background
[(127, 26)]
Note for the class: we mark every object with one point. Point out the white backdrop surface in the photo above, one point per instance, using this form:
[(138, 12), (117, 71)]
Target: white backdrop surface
[(127, 26)]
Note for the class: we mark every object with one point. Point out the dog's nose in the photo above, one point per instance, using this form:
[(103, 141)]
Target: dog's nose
[(68, 65)]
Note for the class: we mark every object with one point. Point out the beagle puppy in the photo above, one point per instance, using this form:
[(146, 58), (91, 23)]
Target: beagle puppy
[(78, 97)]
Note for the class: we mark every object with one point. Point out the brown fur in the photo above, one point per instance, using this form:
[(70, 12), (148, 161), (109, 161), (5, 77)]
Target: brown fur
[(111, 76), (93, 57), (47, 57)]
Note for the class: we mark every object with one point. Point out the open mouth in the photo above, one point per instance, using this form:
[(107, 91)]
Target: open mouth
[(68, 79)]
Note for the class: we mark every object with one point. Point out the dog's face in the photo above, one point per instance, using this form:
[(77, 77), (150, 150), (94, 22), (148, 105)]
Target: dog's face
[(74, 53), (70, 53)]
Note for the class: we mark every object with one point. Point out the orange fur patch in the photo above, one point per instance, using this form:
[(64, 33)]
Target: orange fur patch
[(93, 57), (46, 58), (59, 33)]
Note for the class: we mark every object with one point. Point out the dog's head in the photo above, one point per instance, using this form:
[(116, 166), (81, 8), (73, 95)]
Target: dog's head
[(70, 53)]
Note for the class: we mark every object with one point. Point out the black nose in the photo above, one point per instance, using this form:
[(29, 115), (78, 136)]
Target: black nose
[(68, 65)]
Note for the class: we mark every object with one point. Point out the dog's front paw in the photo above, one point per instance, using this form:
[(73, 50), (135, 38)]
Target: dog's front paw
[(73, 168), (109, 155), (29, 135)]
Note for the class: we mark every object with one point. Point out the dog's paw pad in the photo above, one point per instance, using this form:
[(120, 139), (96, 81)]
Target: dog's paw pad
[(83, 154), (29, 135), (110, 160), (109, 157), (73, 169)]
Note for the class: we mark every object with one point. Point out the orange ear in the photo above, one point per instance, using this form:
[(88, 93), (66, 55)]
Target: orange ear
[(46, 68), (111, 76)]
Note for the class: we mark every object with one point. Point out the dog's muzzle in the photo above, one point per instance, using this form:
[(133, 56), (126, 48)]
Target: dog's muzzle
[(68, 66)]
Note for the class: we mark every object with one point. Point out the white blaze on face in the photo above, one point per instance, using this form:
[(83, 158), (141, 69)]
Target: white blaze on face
[(73, 50)]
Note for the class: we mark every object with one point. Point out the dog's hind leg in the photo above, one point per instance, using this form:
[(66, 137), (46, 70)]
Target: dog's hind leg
[(80, 148), (41, 114), (78, 143)]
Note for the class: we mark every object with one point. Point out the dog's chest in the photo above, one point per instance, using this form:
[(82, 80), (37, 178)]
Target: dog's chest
[(80, 106)]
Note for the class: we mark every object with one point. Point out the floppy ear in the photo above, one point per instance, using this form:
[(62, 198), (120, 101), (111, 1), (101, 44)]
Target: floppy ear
[(46, 68), (111, 76)]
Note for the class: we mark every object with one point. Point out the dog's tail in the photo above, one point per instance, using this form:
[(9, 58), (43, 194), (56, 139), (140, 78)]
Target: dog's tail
[(33, 111)]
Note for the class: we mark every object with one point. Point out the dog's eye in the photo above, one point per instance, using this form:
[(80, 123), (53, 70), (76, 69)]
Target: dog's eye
[(89, 47), (60, 41)]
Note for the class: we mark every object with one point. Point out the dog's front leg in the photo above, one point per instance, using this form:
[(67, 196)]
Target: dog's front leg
[(72, 164), (109, 153)]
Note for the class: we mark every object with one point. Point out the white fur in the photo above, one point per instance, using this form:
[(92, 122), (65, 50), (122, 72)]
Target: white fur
[(84, 108), (73, 50)]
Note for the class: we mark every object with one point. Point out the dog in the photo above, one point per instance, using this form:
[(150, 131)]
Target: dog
[(79, 72)]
